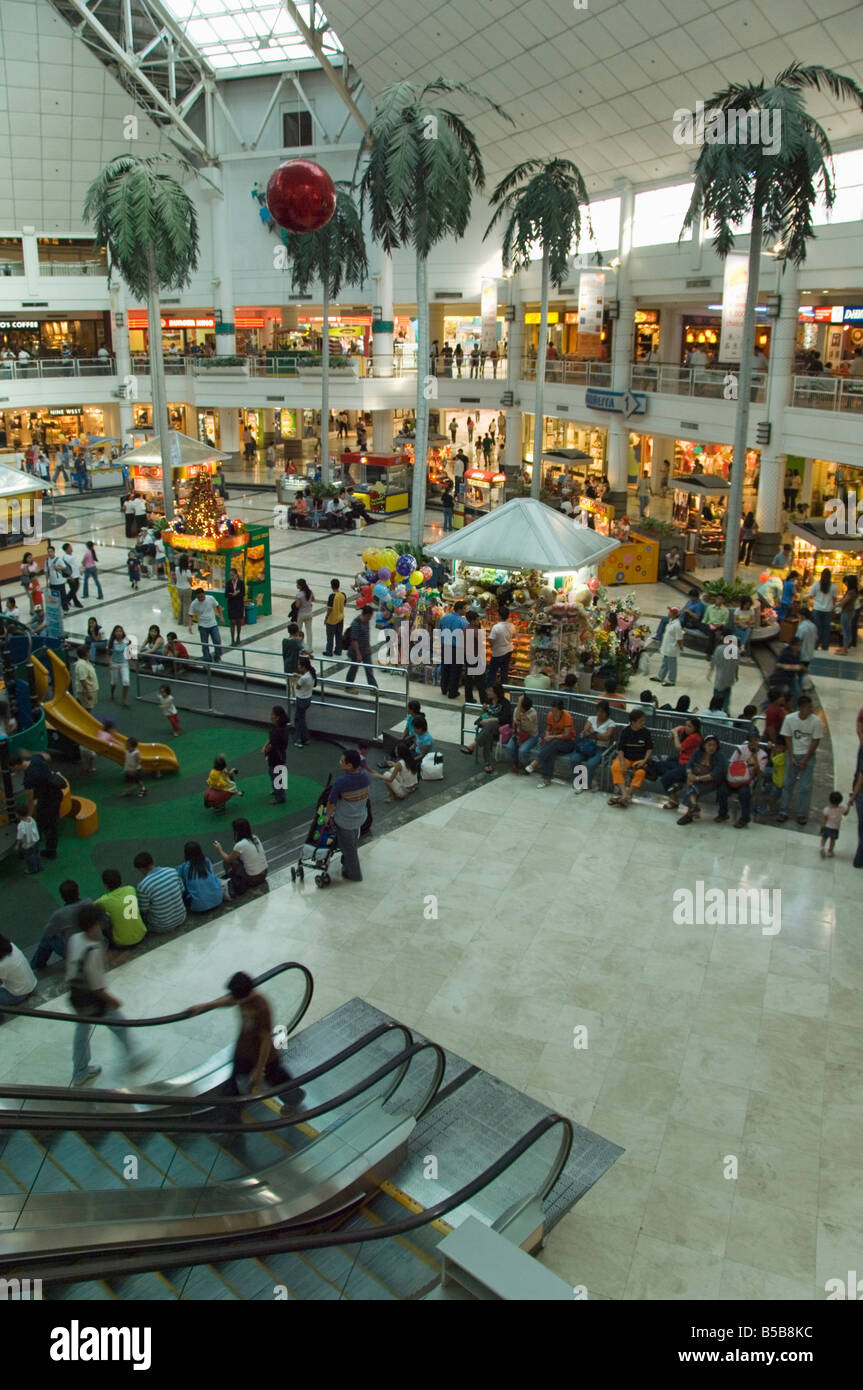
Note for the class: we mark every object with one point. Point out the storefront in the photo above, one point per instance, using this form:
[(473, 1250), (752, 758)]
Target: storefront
[(647, 333), (699, 512), (814, 551), (183, 335), (833, 332), (380, 481), (52, 425), (46, 335), (208, 426), (704, 331), (714, 459), (143, 418), (484, 489), (565, 435)]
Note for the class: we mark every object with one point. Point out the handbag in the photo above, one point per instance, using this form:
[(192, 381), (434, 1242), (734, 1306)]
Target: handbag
[(432, 768), (586, 747), (505, 732)]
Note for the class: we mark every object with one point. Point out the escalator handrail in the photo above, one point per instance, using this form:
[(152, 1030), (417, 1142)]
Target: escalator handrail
[(52, 1121), (15, 1010), (165, 1253)]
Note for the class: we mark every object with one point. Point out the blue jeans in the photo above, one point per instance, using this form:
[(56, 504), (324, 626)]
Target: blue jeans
[(858, 857), (81, 1044), (32, 859), (447, 518), (6, 997), (847, 618), (301, 728), (743, 635), (668, 669), (48, 946), (726, 697), (672, 774), (822, 623), (520, 752), (498, 669), (591, 763), (549, 752), (794, 773), (208, 635), (348, 839), (92, 573)]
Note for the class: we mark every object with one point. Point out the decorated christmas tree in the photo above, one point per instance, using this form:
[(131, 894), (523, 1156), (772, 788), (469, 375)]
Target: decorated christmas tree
[(203, 510)]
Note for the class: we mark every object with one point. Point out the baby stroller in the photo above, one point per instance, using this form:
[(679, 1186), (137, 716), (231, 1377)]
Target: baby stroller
[(320, 845)]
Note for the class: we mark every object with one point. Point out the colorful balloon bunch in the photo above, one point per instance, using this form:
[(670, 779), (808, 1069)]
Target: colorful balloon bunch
[(393, 582)]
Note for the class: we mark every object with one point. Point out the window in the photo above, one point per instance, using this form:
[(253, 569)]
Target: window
[(659, 215), (296, 129), (848, 170)]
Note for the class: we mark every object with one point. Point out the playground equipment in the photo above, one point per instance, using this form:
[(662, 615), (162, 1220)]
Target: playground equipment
[(65, 714)]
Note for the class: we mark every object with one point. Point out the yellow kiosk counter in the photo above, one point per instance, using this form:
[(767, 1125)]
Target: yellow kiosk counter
[(636, 561), (380, 481), (21, 523)]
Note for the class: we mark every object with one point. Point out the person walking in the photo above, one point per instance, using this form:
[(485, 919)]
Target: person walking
[(848, 608), (803, 732), (334, 620), (855, 796), (129, 516), (207, 612), (276, 752), (501, 644), (643, 491), (458, 358), (359, 646), (256, 1059), (347, 809), (183, 585), (453, 429), (306, 678), (670, 649), (823, 595), (447, 502), (302, 610), (725, 663), (91, 570), (44, 787), (57, 572), (470, 428), (452, 627), (235, 596), (90, 997), (73, 579), (748, 533)]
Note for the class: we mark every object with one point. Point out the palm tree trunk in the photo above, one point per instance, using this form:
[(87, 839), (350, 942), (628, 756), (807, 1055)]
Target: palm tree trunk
[(325, 387), (158, 388), (744, 383), (421, 446), (538, 432)]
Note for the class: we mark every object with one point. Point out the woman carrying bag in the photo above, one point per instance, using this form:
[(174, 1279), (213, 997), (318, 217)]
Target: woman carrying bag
[(235, 594)]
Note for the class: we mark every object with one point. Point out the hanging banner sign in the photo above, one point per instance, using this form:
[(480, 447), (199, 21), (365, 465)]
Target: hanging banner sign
[(591, 301), (734, 307), (488, 307)]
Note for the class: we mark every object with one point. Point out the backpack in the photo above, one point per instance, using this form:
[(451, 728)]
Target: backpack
[(739, 772)]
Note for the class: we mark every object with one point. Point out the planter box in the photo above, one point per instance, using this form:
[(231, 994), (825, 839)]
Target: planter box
[(350, 372), (221, 373)]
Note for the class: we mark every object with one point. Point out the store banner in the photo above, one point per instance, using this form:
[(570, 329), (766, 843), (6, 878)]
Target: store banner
[(591, 301), (488, 303), (53, 617), (734, 306)]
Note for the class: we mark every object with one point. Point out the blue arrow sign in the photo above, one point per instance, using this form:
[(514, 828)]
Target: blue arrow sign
[(626, 403)]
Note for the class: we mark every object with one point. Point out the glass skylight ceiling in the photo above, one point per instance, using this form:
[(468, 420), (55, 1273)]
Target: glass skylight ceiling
[(245, 33)]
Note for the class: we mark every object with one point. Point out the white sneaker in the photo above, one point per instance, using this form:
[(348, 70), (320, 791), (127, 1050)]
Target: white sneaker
[(88, 1076), (531, 767)]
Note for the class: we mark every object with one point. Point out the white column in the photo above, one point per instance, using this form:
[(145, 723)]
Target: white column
[(223, 274), (122, 353), (806, 490), (382, 431), (30, 248), (774, 456), (229, 431), (621, 352), (382, 342)]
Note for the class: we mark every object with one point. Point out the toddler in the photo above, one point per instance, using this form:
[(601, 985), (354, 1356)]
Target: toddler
[(778, 758), (830, 818), (132, 767), (28, 843), (169, 709)]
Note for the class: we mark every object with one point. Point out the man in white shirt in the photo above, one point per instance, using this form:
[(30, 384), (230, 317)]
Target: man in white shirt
[(802, 732), (208, 613), (140, 511), (56, 574), (670, 648), (16, 978), (129, 517), (89, 996), (807, 636), (74, 580), (501, 643)]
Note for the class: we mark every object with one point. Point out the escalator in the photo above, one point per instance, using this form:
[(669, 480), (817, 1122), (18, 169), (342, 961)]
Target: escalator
[(259, 1203)]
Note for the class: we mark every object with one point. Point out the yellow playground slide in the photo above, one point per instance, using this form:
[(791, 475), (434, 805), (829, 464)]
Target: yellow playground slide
[(64, 713)]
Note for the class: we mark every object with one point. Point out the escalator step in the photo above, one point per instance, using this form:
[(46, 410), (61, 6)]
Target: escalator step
[(152, 1287), (395, 1266), (71, 1156), (117, 1148), (344, 1267), (92, 1291), (301, 1277), (22, 1159), (248, 1277), (205, 1284), (425, 1238)]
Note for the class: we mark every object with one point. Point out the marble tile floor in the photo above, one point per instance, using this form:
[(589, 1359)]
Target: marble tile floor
[(479, 925)]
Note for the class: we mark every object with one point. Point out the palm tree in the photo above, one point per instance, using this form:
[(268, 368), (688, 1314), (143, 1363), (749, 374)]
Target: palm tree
[(778, 191), (149, 225), (423, 164), (336, 255), (542, 201)]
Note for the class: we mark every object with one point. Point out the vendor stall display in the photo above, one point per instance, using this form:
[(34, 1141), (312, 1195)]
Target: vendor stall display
[(815, 550), (215, 545), (189, 458), (21, 501), (637, 559), (380, 481), (485, 489), (696, 511)]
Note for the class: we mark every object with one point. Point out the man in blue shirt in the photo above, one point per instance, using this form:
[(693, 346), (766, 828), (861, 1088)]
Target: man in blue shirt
[(347, 807), (789, 591), (692, 611), (452, 650)]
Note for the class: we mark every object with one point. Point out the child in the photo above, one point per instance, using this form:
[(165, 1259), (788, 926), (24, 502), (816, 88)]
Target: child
[(169, 709), (409, 736), (28, 843), (132, 768), (778, 762), (220, 784), (422, 740), (34, 593), (414, 708), (402, 779), (133, 564), (830, 819)]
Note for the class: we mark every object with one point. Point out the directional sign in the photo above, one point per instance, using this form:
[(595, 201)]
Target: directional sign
[(627, 403)]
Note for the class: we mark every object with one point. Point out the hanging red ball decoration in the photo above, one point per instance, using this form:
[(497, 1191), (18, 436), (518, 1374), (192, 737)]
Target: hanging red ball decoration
[(301, 196)]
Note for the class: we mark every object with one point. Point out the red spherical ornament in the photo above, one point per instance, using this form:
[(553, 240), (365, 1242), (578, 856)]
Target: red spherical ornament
[(301, 196)]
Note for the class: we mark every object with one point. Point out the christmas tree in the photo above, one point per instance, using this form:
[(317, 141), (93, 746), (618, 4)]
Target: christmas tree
[(202, 511)]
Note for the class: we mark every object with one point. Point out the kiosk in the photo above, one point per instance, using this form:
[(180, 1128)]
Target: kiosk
[(380, 481)]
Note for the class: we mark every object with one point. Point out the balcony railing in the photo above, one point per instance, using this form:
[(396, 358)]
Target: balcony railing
[(827, 393), (41, 367), (11, 267), (707, 382), (562, 372), (64, 269), (299, 366)]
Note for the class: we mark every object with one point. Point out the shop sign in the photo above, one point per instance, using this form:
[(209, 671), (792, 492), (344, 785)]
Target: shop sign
[(853, 314), (624, 403), (647, 316), (591, 301), (207, 322), (488, 310), (553, 317), (57, 410), (733, 307), (822, 314), (19, 323)]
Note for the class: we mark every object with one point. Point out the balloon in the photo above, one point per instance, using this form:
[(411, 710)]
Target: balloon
[(593, 585), (417, 578), (384, 574), (388, 557), (367, 556), (381, 591), (402, 611), (406, 564), (301, 196), (763, 577), (427, 571)]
